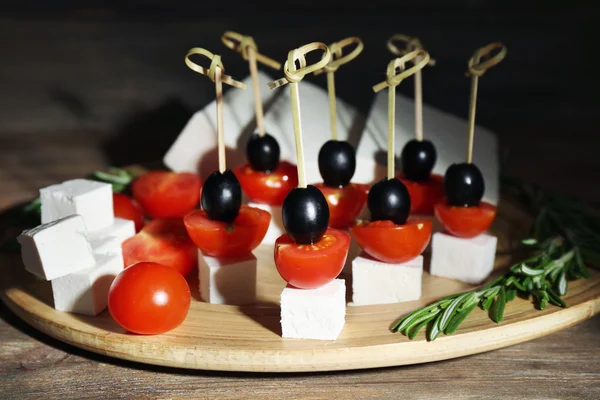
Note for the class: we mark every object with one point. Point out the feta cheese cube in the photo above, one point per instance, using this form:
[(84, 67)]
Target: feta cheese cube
[(227, 280), (90, 199), (276, 228), (314, 313), (86, 291), (56, 248), (110, 239), (467, 260), (377, 282)]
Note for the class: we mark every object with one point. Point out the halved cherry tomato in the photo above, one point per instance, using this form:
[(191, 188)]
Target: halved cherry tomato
[(345, 203), (465, 222), (164, 241), (391, 243), (424, 194), (309, 266), (127, 208), (164, 194), (221, 239), (272, 188), (149, 298)]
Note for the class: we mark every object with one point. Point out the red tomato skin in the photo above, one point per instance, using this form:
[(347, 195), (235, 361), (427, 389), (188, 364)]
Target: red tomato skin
[(164, 241), (165, 194), (391, 243), (345, 203), (220, 239), (465, 222), (306, 266), (264, 188), (424, 195), (149, 298), (127, 208)]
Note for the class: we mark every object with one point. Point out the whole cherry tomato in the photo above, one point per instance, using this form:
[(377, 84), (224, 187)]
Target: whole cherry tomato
[(465, 222), (391, 243), (267, 188), (221, 239), (127, 208), (309, 266), (345, 203), (164, 241), (164, 194), (149, 298), (424, 194)]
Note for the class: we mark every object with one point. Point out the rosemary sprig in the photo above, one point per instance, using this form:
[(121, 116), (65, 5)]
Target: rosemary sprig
[(564, 239)]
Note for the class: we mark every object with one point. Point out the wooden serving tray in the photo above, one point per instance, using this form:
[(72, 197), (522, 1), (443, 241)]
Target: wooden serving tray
[(232, 338)]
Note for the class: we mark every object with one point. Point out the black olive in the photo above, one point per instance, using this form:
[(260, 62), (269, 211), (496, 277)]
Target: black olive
[(418, 159), (305, 214), (337, 163), (464, 185), (389, 200), (222, 196), (263, 152)]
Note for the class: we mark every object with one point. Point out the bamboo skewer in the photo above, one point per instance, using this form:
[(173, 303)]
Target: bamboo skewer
[(293, 75), (477, 69), (246, 46), (411, 44), (216, 74), (421, 58)]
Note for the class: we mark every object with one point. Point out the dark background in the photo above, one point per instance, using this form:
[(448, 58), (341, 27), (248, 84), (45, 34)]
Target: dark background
[(112, 73)]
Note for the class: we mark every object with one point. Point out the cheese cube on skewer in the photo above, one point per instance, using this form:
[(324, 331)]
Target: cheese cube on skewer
[(227, 280), (377, 282), (110, 239), (467, 260), (86, 291), (56, 248), (314, 313), (276, 227), (90, 199)]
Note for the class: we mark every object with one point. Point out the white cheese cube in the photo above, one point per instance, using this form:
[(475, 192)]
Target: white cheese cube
[(86, 291), (110, 239), (314, 313), (377, 282), (57, 248), (467, 260), (90, 199), (276, 228), (227, 280)]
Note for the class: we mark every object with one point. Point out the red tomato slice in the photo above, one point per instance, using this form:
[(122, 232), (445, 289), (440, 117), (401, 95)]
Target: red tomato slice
[(309, 266), (127, 208), (164, 241), (391, 243), (345, 204), (220, 239), (272, 188), (149, 298), (164, 194), (465, 222), (424, 195)]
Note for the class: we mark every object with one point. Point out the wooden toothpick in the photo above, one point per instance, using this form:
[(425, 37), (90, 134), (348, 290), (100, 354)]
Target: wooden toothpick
[(338, 59), (477, 69), (421, 58), (216, 74), (293, 75), (410, 44), (246, 46)]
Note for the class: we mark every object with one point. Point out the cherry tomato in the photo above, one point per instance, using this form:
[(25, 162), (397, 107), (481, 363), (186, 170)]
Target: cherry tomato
[(164, 241), (424, 194), (345, 203), (220, 239), (272, 188), (465, 222), (127, 208), (391, 243), (309, 266), (149, 298), (164, 194)]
